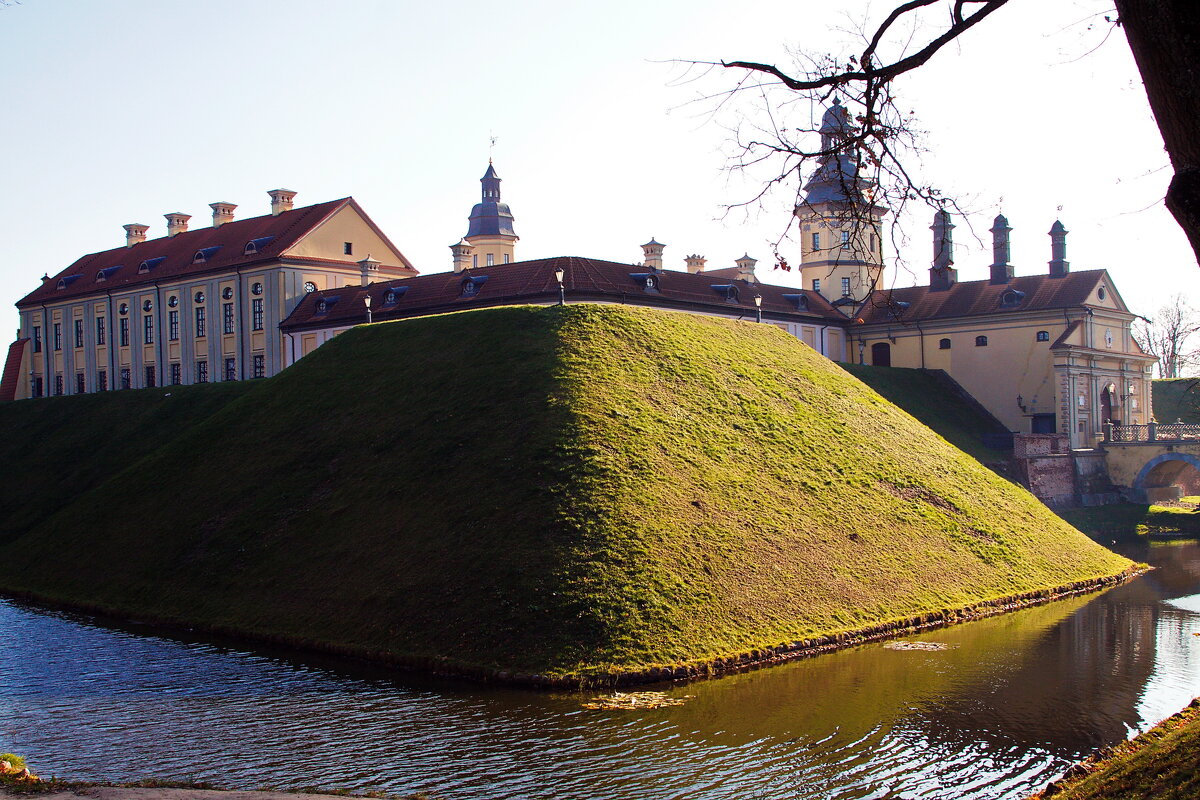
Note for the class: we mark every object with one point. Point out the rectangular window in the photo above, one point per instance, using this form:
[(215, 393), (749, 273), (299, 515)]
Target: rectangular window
[(200, 322), (58, 385), (201, 372), (231, 369), (37, 338), (348, 248), (872, 243), (816, 284), (845, 287), (173, 325), (260, 368), (474, 261), (79, 333), (37, 386), (126, 379), (507, 258), (58, 336), (816, 241), (148, 326), (80, 386), (101, 333), (491, 259), (845, 238), (227, 316), (102, 381), (256, 313), (149, 377), (124, 331), (176, 374)]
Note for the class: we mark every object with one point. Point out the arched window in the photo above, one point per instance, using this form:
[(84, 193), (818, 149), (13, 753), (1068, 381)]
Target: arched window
[(1043, 336), (981, 341), (943, 344)]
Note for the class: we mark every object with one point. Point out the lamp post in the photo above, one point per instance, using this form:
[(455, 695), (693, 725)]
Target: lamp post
[(559, 274), (758, 307), (367, 303)]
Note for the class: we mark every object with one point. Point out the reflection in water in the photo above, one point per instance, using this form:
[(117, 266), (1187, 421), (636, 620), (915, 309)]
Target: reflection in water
[(1003, 710)]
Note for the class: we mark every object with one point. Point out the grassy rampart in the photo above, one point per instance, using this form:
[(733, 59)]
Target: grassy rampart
[(577, 491)]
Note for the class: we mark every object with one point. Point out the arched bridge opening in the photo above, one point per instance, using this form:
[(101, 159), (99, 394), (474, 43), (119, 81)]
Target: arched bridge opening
[(1169, 476)]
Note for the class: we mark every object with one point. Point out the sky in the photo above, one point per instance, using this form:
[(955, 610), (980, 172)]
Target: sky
[(124, 110)]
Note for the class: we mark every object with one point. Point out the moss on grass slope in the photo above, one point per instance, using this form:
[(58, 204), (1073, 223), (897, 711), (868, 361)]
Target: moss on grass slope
[(574, 489)]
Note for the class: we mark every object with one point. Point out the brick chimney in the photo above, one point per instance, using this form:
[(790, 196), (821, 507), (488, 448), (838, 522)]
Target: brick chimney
[(1002, 271), (942, 275), (694, 263), (652, 252), (281, 201), (1059, 266), (368, 269), (177, 223), (135, 233), (222, 213), (461, 253)]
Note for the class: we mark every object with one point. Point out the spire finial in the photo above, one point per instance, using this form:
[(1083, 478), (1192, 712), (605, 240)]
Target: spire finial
[(491, 146)]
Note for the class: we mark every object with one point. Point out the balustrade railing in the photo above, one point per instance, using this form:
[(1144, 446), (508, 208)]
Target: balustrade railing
[(1153, 432)]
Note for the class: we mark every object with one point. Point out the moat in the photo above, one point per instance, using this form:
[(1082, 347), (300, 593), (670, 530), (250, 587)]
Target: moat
[(1001, 708)]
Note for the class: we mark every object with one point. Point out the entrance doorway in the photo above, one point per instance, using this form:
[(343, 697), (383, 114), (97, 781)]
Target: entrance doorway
[(881, 354)]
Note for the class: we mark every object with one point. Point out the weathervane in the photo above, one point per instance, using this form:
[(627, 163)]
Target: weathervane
[(491, 145)]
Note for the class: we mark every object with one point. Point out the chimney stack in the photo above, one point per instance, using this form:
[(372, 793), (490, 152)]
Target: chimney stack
[(369, 269), (942, 275), (281, 201), (745, 266), (177, 223), (1002, 271), (461, 253), (135, 233), (695, 263), (222, 213), (1059, 266), (653, 254)]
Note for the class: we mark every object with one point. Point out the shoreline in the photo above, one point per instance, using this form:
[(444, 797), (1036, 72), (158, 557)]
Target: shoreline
[(756, 658)]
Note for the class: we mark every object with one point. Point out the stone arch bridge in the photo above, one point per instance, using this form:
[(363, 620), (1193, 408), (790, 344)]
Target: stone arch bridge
[(1153, 463)]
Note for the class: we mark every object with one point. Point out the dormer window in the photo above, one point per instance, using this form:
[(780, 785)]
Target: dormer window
[(204, 254), (150, 264), (727, 291), (67, 280), (393, 295), (325, 304), (647, 280), (255, 246), (103, 274), (800, 301), (472, 285), (1011, 297)]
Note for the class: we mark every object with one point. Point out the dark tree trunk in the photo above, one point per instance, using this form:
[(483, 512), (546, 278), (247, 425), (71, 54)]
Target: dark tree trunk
[(1164, 36)]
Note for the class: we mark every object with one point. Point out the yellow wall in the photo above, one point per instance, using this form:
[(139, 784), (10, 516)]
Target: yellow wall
[(327, 241)]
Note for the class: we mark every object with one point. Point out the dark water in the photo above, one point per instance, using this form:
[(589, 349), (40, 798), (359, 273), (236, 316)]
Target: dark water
[(1007, 707)]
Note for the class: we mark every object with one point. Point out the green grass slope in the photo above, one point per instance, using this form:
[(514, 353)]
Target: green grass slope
[(1161, 764), (572, 490), (56, 448), (921, 394), (1177, 399)]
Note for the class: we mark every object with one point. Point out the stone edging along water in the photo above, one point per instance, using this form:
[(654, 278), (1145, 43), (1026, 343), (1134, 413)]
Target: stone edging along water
[(711, 668)]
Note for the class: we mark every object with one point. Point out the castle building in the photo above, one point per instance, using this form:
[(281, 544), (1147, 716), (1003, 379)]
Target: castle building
[(1046, 353), (192, 306), (490, 237)]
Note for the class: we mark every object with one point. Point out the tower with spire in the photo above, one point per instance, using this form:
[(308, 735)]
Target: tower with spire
[(490, 234), (840, 224)]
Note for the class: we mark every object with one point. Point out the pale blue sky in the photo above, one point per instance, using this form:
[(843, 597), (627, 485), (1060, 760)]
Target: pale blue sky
[(122, 110)]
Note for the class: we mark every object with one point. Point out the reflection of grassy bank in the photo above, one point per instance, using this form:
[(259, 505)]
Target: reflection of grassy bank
[(1161, 764), (1132, 522)]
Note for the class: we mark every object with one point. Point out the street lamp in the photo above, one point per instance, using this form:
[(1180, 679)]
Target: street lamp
[(367, 303), (758, 307), (559, 274)]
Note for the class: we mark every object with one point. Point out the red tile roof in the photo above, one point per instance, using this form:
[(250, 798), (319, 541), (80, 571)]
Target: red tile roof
[(121, 263), (977, 298), (12, 370), (585, 279)]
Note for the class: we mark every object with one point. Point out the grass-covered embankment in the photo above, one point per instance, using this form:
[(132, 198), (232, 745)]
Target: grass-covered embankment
[(927, 398), (1161, 764), (586, 491)]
